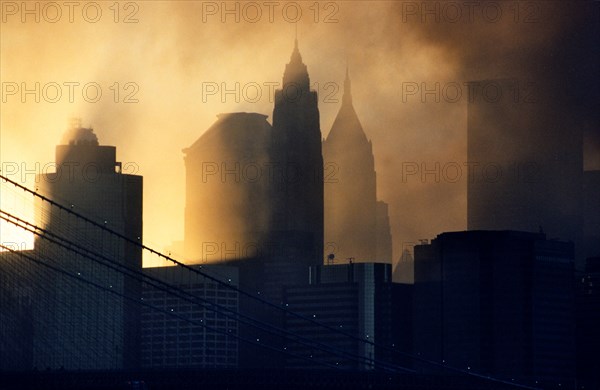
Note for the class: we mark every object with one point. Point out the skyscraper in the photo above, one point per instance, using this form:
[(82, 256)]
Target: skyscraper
[(254, 199), (588, 321), (227, 211), (591, 213), (355, 302), (250, 185), (498, 303), (190, 325), (296, 198), (17, 283), (358, 233), (296, 148), (76, 324), (350, 231)]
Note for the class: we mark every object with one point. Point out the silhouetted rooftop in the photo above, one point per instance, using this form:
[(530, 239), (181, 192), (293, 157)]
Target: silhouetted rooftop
[(80, 136), (233, 126), (346, 128)]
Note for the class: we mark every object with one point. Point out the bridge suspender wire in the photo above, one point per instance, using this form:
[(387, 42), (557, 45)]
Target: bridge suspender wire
[(184, 266), (139, 275), (45, 297), (137, 301), (265, 326), (260, 299)]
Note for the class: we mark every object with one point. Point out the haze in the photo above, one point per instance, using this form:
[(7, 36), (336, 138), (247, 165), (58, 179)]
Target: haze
[(171, 57)]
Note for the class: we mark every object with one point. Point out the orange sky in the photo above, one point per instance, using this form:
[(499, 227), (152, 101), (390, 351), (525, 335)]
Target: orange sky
[(172, 50)]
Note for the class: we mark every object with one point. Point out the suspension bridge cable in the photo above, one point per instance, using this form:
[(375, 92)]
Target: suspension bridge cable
[(43, 233), (260, 299), (181, 317)]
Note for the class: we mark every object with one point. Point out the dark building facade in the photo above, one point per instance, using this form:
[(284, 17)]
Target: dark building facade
[(190, 324), (588, 323), (591, 213), (498, 303), (296, 148), (358, 299), (16, 300), (525, 160), (254, 200), (358, 233), (78, 325), (253, 190)]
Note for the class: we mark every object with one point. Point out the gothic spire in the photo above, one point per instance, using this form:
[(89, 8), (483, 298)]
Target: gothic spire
[(347, 129), (296, 72), (296, 57), (347, 97)]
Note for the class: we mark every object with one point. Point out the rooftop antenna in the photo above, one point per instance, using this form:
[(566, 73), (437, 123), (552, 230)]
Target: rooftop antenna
[(346, 64)]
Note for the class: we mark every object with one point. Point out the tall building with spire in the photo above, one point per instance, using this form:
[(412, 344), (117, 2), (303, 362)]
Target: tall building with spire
[(351, 228), (256, 191), (268, 225), (296, 151)]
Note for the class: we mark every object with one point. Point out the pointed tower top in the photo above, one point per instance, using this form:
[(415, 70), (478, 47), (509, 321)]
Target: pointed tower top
[(347, 129), (295, 71), (347, 97), (296, 57)]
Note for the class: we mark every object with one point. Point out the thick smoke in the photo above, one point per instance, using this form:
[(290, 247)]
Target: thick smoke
[(172, 57)]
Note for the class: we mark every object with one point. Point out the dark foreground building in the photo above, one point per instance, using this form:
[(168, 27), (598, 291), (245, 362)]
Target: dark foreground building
[(85, 315), (591, 213), (296, 148), (244, 380), (588, 323), (16, 303), (187, 321), (497, 303), (366, 317)]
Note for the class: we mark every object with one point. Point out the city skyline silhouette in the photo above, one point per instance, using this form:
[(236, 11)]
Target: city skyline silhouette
[(412, 192)]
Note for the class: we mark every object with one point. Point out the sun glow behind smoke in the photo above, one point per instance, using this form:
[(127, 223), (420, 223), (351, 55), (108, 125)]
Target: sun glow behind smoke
[(153, 76), (19, 204)]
